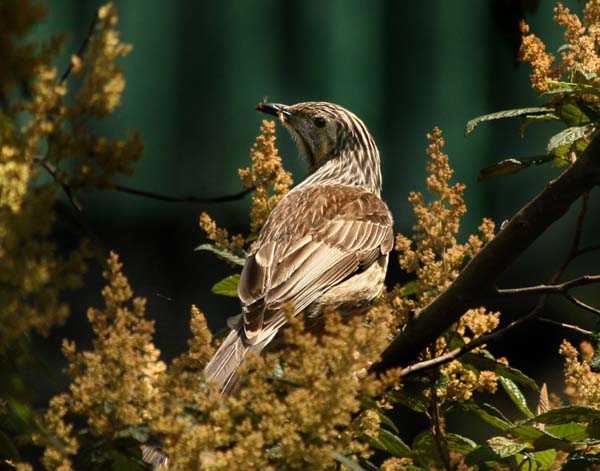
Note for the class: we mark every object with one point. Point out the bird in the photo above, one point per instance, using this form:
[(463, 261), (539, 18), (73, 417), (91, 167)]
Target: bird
[(324, 246)]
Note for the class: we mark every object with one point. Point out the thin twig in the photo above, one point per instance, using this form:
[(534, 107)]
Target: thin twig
[(582, 305), (182, 199), (574, 328), (478, 342), (587, 249), (82, 47), (53, 171), (561, 288), (438, 434)]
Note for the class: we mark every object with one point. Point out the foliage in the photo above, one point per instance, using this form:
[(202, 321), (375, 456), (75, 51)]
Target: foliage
[(312, 403), (571, 89), (44, 128)]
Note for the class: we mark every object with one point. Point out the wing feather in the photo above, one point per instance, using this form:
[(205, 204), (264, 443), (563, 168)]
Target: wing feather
[(314, 239)]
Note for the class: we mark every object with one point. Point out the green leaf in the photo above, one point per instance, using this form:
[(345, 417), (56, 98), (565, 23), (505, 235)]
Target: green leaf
[(483, 363), (563, 415), (516, 396), (425, 452), (226, 255), (227, 286), (497, 412), (385, 420), (139, 433), (568, 136), (483, 454), (570, 113), (571, 432), (585, 74), (497, 422), (540, 439), (570, 87), (511, 166), (369, 465), (409, 288), (539, 460), (504, 447), (472, 124), (348, 462), (410, 396), (459, 443), (390, 443)]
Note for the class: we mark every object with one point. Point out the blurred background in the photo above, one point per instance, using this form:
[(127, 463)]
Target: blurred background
[(197, 71)]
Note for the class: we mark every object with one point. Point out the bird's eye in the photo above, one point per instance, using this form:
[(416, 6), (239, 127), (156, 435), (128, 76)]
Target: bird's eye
[(320, 122)]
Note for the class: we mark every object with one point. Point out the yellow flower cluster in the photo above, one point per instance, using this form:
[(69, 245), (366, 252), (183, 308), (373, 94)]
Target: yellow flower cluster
[(578, 55), (97, 158), (397, 464), (219, 235), (267, 176), (533, 50), (295, 407), (463, 382), (115, 385), (269, 182), (583, 39), (32, 271), (582, 385), (289, 413), (436, 258)]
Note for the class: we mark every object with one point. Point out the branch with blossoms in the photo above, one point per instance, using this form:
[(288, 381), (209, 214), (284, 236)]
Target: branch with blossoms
[(477, 280), (573, 91)]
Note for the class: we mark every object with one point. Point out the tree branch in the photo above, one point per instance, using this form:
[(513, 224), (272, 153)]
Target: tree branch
[(477, 280), (54, 172), (582, 305), (478, 342), (561, 288), (182, 199), (574, 328)]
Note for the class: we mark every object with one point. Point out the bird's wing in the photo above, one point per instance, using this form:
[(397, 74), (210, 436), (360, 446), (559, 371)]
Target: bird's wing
[(314, 239)]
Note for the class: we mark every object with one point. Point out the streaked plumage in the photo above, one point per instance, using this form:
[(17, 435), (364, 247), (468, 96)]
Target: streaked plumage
[(326, 243)]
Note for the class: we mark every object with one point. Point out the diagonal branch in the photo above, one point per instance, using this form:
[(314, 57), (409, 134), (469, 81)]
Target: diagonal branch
[(477, 280), (53, 172), (472, 345), (82, 47), (574, 328), (582, 305)]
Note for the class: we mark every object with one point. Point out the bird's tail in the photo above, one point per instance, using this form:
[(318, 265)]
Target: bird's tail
[(222, 368)]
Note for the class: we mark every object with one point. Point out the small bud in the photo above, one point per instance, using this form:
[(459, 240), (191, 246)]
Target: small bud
[(76, 64)]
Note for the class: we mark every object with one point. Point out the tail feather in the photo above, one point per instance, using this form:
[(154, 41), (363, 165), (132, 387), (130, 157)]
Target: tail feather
[(222, 368)]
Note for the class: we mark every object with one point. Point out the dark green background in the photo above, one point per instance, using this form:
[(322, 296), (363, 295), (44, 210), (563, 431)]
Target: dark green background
[(198, 69)]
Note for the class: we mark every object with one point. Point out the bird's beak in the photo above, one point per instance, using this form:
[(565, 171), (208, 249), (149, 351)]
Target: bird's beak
[(282, 112)]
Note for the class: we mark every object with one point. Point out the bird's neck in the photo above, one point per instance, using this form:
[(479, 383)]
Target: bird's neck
[(351, 167)]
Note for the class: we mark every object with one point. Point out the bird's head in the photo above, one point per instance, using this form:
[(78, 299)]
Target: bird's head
[(322, 130)]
